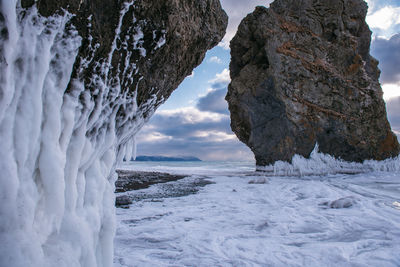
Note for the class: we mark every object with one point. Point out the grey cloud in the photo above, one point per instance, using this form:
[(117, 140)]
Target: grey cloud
[(175, 125), (227, 150), (388, 54), (374, 5), (219, 85), (393, 110), (185, 140), (214, 102)]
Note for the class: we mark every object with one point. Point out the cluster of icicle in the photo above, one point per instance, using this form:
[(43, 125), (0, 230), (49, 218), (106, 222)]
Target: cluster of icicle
[(323, 164), (58, 148)]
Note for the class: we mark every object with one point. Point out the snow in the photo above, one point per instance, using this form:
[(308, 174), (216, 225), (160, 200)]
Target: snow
[(139, 41), (161, 41), (248, 218)]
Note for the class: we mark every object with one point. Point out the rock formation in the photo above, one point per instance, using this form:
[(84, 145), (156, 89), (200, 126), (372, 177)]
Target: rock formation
[(78, 79), (302, 74)]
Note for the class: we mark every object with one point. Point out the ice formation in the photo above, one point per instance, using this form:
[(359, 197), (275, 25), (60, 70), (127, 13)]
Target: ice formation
[(77, 81), (323, 164), (57, 177)]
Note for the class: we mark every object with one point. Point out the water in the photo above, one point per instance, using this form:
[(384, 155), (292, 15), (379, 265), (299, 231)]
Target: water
[(191, 167), (244, 218)]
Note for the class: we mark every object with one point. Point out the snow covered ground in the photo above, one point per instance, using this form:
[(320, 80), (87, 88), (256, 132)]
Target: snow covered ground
[(247, 219)]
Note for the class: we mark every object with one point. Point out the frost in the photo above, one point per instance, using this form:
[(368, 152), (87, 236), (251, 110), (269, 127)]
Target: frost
[(138, 41), (161, 41)]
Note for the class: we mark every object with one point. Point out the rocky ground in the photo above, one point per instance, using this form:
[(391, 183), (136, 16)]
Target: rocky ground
[(130, 183)]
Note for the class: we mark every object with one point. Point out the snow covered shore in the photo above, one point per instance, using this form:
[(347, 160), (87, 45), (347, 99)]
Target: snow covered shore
[(315, 220)]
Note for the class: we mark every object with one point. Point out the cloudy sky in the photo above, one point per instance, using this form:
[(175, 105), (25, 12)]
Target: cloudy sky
[(195, 120)]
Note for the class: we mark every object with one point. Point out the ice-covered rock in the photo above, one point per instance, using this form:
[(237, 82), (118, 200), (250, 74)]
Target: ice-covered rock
[(302, 74), (319, 164), (123, 201), (341, 203), (78, 79)]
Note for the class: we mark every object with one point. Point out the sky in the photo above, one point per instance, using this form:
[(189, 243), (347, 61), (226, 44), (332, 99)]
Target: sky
[(195, 120)]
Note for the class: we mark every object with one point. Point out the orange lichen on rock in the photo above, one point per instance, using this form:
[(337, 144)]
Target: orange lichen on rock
[(355, 66), (387, 145), (323, 109), (286, 49)]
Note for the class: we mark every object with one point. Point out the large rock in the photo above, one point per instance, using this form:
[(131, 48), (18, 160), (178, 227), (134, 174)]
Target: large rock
[(78, 79), (302, 74), (158, 44)]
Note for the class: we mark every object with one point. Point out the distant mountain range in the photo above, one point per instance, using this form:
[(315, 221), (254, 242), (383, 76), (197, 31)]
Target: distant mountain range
[(162, 158)]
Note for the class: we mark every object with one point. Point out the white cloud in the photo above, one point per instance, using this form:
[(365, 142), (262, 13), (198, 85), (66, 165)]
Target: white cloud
[(153, 137), (390, 90), (223, 77), (215, 136), (192, 115), (191, 132), (215, 60), (384, 18)]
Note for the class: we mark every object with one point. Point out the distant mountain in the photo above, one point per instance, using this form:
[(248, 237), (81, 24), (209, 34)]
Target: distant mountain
[(162, 158)]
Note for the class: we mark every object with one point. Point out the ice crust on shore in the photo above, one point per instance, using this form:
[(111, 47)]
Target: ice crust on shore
[(323, 164), (58, 148), (316, 220)]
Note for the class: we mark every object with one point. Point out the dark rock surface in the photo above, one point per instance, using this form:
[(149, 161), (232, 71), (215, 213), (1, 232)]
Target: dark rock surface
[(135, 180), (171, 36), (130, 184), (123, 201), (176, 189), (302, 74)]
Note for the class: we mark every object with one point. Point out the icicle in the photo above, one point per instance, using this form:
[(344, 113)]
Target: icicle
[(134, 148), (130, 149)]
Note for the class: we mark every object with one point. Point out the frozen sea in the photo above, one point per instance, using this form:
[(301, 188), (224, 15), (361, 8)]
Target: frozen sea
[(229, 215)]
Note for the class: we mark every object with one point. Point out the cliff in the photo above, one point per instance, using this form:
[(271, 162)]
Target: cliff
[(301, 75), (78, 79)]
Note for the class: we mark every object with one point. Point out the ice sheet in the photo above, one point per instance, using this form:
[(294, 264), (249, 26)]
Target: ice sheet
[(320, 220)]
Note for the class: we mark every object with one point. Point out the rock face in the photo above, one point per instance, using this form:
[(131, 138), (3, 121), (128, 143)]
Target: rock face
[(159, 43), (78, 79), (302, 74)]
